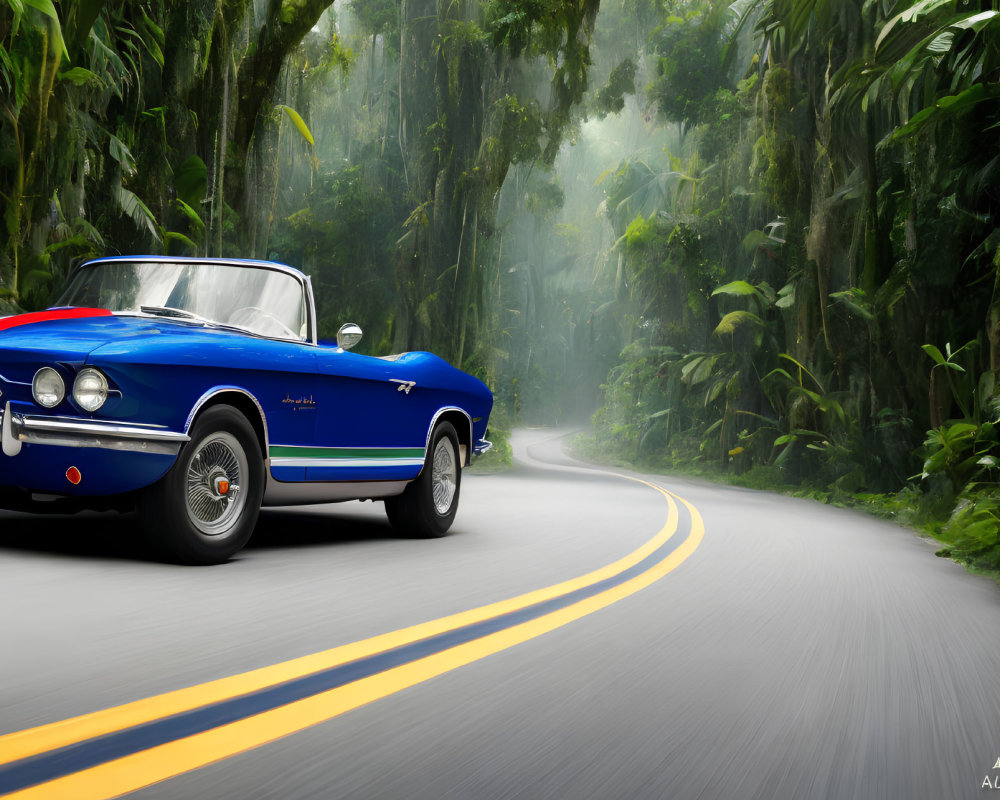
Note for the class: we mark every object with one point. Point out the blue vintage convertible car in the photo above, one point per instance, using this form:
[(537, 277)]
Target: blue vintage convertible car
[(197, 388)]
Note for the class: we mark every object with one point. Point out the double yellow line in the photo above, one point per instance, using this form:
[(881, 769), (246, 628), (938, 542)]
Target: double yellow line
[(571, 600)]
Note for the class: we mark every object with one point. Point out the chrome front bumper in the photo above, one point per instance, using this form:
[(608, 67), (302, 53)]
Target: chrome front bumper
[(17, 429), (481, 447)]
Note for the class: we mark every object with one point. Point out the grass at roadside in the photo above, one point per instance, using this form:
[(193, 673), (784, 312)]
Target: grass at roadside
[(498, 458), (495, 460)]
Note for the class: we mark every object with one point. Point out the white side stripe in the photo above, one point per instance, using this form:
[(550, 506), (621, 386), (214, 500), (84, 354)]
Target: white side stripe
[(346, 462)]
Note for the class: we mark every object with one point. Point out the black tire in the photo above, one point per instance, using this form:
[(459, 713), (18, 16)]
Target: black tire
[(184, 515), (416, 512)]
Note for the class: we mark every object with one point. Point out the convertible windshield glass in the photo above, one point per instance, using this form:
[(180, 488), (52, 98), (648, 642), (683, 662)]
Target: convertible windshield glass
[(264, 301)]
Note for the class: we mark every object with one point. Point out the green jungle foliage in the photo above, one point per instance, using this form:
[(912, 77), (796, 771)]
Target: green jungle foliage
[(827, 290), (759, 237), (367, 143)]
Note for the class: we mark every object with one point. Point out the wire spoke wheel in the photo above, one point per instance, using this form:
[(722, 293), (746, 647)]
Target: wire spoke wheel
[(213, 496), (428, 504), (444, 472), (203, 511)]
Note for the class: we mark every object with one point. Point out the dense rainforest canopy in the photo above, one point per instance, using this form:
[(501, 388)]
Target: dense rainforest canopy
[(759, 235)]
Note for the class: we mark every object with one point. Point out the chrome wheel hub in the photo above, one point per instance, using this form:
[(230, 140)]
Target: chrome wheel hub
[(213, 498), (444, 476)]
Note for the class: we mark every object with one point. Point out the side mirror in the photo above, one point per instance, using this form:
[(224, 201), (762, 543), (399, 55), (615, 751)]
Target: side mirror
[(348, 336)]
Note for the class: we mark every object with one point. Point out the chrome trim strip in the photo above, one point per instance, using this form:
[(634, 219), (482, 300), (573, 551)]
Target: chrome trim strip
[(200, 402), (71, 426), (130, 445), (5, 379), (284, 493), (482, 446), (338, 463), (311, 310), (70, 432), (11, 445), (331, 452), (236, 262), (437, 416)]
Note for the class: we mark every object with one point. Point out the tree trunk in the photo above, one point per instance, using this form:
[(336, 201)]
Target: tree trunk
[(285, 26)]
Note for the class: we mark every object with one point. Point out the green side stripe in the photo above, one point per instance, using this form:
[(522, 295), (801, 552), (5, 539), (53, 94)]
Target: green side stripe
[(286, 451)]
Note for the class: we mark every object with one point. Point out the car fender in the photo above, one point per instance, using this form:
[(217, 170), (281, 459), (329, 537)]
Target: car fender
[(464, 443), (214, 392)]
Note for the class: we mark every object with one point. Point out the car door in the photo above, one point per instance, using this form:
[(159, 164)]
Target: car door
[(371, 421), (282, 377)]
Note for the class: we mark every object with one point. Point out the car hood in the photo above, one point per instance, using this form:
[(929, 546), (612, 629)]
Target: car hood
[(28, 340), (69, 338)]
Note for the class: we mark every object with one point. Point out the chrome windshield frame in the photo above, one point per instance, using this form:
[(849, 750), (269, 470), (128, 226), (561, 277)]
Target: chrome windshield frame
[(304, 281)]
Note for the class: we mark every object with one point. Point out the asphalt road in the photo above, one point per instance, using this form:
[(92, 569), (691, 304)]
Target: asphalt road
[(799, 651)]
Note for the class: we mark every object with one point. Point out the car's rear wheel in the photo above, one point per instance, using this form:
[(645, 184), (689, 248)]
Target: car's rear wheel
[(428, 505), (204, 510)]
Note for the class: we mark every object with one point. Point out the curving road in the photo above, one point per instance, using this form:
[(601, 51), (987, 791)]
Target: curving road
[(792, 651)]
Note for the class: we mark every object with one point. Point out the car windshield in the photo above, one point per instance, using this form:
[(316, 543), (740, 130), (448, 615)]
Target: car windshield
[(268, 302)]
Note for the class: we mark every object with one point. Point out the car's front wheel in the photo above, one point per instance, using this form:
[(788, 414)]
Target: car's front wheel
[(204, 510), (428, 505)]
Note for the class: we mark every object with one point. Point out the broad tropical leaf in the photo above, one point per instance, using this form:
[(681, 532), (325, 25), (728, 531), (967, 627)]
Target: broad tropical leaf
[(737, 288), (802, 370), (734, 319), (191, 180), (79, 76), (938, 357), (136, 210), (35, 279), (699, 368), (174, 236), (120, 153), (190, 213), (48, 9), (300, 124)]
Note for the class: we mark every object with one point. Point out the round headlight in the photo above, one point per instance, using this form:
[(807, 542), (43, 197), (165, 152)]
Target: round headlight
[(47, 387), (90, 389)]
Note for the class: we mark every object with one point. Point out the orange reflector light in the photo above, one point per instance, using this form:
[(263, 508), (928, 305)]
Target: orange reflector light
[(73, 475)]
